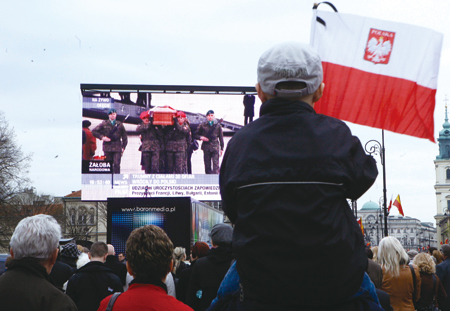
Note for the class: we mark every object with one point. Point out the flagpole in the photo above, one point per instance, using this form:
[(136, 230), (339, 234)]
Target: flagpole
[(374, 147), (383, 163)]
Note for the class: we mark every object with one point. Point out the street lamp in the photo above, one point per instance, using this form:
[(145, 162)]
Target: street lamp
[(374, 147)]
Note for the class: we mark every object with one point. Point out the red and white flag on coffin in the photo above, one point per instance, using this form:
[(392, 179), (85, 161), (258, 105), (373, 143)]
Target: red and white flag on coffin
[(378, 73)]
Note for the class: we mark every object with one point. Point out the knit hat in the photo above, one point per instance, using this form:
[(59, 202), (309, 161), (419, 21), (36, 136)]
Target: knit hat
[(221, 234), (70, 250)]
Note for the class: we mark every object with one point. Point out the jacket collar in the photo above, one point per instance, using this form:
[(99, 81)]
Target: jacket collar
[(280, 106), (31, 265)]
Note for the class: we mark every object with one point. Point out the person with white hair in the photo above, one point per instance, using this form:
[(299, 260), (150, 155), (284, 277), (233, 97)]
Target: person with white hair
[(401, 281), (26, 284)]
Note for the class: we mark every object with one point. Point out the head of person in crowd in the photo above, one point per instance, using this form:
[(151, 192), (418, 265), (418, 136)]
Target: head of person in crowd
[(181, 117), (391, 255), (221, 235), (199, 250), (149, 253), (70, 250), (98, 252), (121, 257), (411, 254), (438, 256), (425, 263), (431, 249), (291, 71), (445, 251), (145, 117), (179, 255), (112, 114), (369, 253), (80, 248), (86, 123), (111, 250), (37, 237), (210, 116), (375, 253)]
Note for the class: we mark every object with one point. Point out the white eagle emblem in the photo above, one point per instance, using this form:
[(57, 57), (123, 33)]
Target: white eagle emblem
[(379, 46)]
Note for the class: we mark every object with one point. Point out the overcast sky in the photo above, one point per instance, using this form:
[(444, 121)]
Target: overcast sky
[(49, 47)]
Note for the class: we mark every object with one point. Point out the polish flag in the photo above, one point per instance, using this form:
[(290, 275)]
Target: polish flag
[(378, 73)]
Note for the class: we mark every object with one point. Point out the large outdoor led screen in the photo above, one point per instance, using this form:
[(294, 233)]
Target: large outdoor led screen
[(99, 181)]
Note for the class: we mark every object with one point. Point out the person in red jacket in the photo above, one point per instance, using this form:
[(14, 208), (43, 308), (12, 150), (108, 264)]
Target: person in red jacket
[(149, 260), (90, 145)]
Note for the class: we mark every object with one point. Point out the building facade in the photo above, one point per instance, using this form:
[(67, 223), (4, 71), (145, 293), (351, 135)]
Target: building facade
[(442, 186), (411, 232), (84, 220)]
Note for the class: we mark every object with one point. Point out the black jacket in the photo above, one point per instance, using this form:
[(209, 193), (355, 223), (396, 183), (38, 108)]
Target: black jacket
[(117, 267), (90, 284), (206, 275), (183, 282), (60, 273), (25, 285), (284, 181)]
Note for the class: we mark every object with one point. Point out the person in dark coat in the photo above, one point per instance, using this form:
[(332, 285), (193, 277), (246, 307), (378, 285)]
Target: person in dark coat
[(25, 285), (198, 250), (208, 272), (69, 255), (443, 273), (94, 281), (61, 272), (284, 181), (249, 110), (374, 270), (115, 265)]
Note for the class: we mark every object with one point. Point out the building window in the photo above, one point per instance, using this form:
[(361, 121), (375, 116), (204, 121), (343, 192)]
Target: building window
[(398, 230), (412, 230), (81, 219), (448, 173)]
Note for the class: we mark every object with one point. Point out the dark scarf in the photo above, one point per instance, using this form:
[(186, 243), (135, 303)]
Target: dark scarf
[(146, 280)]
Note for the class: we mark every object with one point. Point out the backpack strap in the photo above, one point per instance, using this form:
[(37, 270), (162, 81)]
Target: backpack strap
[(111, 302)]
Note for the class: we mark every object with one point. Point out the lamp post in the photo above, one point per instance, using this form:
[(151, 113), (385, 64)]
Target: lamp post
[(374, 147)]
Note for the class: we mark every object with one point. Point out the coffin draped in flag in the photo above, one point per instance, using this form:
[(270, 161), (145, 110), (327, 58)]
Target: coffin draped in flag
[(378, 73)]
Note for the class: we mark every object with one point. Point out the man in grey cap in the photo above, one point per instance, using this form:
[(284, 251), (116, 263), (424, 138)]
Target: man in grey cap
[(211, 134), (114, 137), (208, 272), (284, 181)]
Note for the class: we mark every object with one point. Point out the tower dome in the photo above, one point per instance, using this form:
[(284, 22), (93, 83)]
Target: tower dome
[(370, 206)]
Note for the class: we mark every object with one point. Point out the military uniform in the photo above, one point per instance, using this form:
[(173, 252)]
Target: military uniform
[(151, 136), (177, 139), (211, 148), (119, 141)]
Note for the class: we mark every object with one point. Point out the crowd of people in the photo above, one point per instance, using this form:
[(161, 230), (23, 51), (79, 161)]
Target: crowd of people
[(294, 243)]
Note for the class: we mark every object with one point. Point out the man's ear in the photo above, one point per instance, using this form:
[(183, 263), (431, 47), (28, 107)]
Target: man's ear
[(319, 92), (53, 257), (262, 96), (12, 253)]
